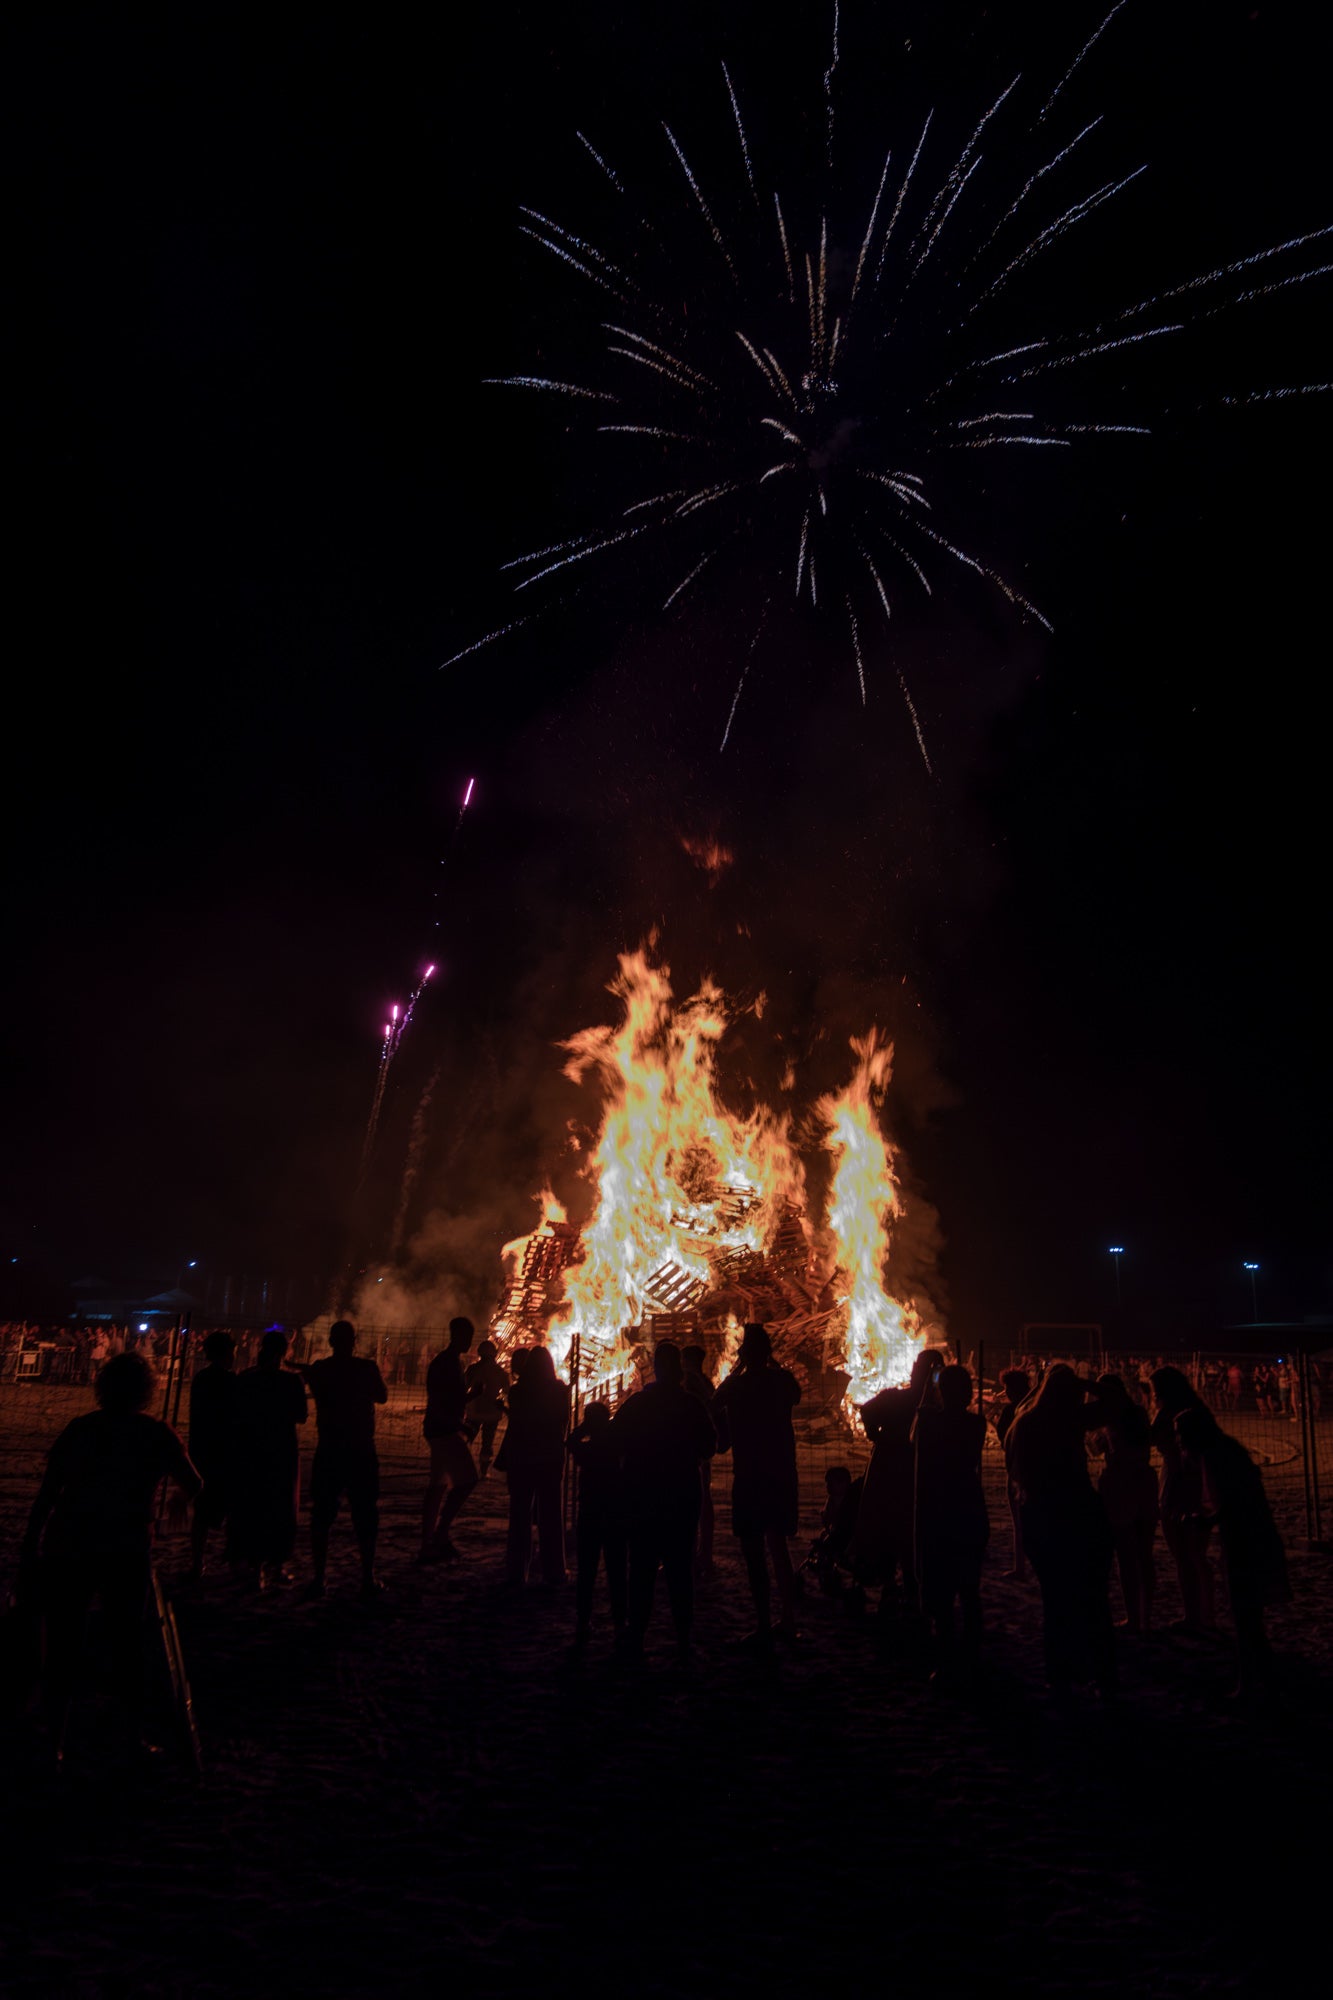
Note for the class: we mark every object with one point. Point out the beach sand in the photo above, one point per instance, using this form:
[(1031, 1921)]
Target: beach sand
[(436, 1788)]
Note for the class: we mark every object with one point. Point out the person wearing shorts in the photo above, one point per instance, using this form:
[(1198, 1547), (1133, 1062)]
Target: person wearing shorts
[(346, 1387)]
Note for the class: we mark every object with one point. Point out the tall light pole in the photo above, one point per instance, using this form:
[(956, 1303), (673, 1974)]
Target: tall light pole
[(1254, 1294), (1117, 1251)]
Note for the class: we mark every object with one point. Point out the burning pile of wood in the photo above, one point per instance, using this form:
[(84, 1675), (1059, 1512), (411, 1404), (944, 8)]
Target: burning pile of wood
[(777, 1286)]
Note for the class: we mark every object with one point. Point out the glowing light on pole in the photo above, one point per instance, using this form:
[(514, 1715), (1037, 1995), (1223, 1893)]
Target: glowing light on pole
[(1254, 1293), (1117, 1251)]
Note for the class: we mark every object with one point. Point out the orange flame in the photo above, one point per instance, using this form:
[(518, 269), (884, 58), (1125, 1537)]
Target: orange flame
[(676, 1174), (683, 1185)]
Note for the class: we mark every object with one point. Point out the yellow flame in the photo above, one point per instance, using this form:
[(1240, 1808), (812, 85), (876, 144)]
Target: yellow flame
[(681, 1184), (883, 1336), (675, 1173)]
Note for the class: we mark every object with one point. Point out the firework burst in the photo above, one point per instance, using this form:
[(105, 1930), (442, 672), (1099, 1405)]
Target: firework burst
[(805, 381)]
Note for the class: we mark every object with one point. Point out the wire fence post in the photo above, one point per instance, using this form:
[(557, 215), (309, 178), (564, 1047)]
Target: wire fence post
[(571, 1490), (182, 1351), (1314, 1524)]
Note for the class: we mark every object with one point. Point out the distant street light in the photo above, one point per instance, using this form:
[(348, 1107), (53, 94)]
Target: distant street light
[(1254, 1295), (1117, 1251)]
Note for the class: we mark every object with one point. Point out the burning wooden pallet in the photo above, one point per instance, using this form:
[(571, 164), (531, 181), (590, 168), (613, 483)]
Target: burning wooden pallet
[(743, 1283)]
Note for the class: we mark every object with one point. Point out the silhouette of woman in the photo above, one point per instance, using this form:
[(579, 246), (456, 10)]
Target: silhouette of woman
[(1256, 1562)]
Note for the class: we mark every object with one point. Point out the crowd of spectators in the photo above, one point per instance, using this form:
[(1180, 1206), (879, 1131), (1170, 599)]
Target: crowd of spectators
[(1095, 1467), (76, 1353)]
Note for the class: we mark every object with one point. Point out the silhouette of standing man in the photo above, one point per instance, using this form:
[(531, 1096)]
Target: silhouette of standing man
[(346, 1389), (452, 1472), (95, 1508), (758, 1398), (663, 1436)]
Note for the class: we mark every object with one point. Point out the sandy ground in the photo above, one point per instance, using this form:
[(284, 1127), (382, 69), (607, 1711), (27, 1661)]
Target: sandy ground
[(436, 1788)]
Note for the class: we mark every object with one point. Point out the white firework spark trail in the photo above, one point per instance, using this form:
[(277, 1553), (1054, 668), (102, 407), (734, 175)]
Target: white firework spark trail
[(902, 196), (704, 209), (740, 133), (613, 177), (735, 699), (542, 382), (1054, 231), (686, 581), (856, 648), (1031, 182), (1280, 395), (1086, 49)]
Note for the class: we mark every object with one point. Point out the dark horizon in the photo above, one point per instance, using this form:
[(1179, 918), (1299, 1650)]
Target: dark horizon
[(264, 497)]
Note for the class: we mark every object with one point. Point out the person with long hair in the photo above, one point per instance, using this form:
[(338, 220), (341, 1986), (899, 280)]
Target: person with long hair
[(533, 1461), (1252, 1551), (1187, 1519), (757, 1399), (1065, 1532), (884, 1543), (1128, 1486)]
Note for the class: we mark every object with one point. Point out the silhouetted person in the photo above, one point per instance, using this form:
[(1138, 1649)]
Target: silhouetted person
[(662, 1435), (213, 1442), (1065, 1531), (534, 1459), (600, 1528), (758, 1398), (486, 1382), (952, 1523), (1256, 1563), (346, 1387), (837, 1520), (1187, 1522), (885, 1545), (271, 1404), (95, 1505), (1128, 1486), (452, 1472), (699, 1384), (1017, 1386)]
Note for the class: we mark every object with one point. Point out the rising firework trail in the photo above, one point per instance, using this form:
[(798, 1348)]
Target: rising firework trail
[(801, 385), (400, 1017)]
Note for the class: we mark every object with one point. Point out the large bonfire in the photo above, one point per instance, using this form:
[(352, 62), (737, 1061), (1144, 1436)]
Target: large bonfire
[(700, 1217)]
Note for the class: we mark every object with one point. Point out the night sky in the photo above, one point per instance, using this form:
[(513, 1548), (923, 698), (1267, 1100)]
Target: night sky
[(261, 494)]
